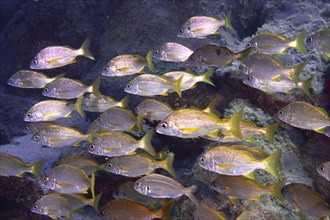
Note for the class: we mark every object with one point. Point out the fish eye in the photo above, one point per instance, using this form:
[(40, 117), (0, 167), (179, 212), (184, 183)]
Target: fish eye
[(281, 112), (322, 168), (109, 165), (248, 45), (310, 39), (88, 130), (181, 30), (137, 109), (156, 52), (138, 184), (29, 114), (202, 159), (10, 80), (35, 61), (36, 137), (163, 125), (106, 68), (45, 179), (148, 188), (35, 206), (26, 128), (214, 183), (249, 78), (101, 213), (129, 85), (92, 146), (99, 119), (117, 193), (46, 89)]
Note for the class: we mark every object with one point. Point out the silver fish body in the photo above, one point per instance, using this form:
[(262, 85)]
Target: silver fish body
[(29, 79), (153, 109), (53, 205), (172, 52), (117, 119), (324, 170), (124, 65)]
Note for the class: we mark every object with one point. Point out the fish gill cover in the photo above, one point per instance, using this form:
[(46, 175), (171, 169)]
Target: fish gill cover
[(169, 109)]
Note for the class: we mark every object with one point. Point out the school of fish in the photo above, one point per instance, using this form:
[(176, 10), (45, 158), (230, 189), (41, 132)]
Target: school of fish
[(153, 194)]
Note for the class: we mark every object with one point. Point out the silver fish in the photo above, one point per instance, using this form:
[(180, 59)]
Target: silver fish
[(153, 109), (117, 119), (172, 52), (320, 41), (65, 88), (150, 85), (60, 136), (51, 110), (52, 205), (68, 179), (14, 166), (202, 26), (33, 127), (160, 186), (91, 103), (30, 79), (239, 160), (113, 144), (88, 165), (58, 56), (138, 165)]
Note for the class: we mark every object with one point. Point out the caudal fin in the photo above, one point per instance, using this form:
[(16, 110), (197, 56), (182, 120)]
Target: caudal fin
[(228, 21), (149, 62), (177, 85), (269, 131), (273, 163), (276, 189), (96, 201), (36, 168), (78, 106), (296, 70), (85, 49), (165, 211), (124, 102), (95, 88), (235, 125), (299, 42), (145, 143), (206, 77), (190, 193), (305, 85), (168, 164)]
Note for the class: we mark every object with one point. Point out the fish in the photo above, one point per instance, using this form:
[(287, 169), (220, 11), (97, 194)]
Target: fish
[(66, 88), (127, 64), (52, 205), (192, 123), (172, 52), (126, 191), (114, 144), (304, 115), (271, 43), (324, 170), (202, 26), (240, 187), (160, 186), (60, 136), (68, 179), (320, 41), (117, 119), (15, 166), (51, 110), (266, 67), (306, 200), (285, 85), (91, 103), (203, 211), (153, 110), (30, 79), (58, 56), (139, 164), (150, 85), (78, 201), (215, 56), (33, 127), (239, 160), (249, 129), (88, 165), (121, 209), (189, 80)]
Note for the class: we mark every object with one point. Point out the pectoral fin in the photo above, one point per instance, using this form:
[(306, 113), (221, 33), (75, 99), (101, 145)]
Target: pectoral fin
[(225, 166), (190, 130)]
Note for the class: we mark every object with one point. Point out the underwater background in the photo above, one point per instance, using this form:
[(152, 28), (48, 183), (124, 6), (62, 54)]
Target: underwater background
[(117, 27)]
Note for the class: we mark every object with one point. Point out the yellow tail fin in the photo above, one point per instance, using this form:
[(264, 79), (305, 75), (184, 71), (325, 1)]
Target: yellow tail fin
[(168, 164), (36, 168), (78, 106), (273, 163), (269, 131), (299, 42), (85, 49), (145, 143), (95, 88)]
